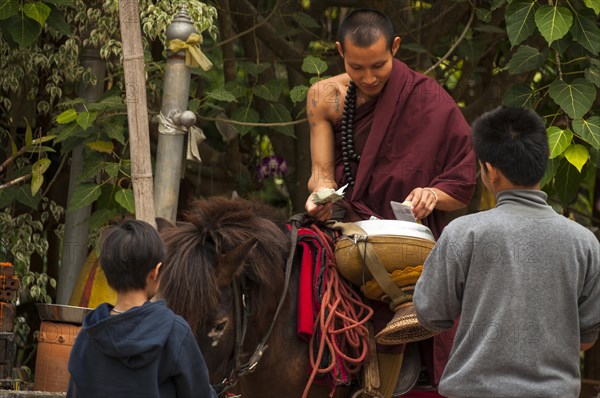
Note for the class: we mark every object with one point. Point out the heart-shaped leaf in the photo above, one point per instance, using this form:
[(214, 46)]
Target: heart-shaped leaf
[(37, 11), (519, 95), (125, 198), (558, 140), (8, 8), (314, 65), (520, 22), (526, 58), (553, 22), (566, 182), (83, 195), (577, 155), (576, 98), (588, 130), (593, 4), (585, 30)]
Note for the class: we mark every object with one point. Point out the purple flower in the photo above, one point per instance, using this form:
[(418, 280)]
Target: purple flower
[(271, 166)]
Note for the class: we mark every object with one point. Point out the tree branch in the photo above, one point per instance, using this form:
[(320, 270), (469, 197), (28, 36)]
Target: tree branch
[(451, 50), (15, 181), (269, 35)]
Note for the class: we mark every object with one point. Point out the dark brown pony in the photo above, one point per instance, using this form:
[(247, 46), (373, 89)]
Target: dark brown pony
[(219, 243)]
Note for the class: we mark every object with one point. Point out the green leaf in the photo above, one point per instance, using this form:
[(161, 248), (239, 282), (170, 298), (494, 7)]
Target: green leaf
[(278, 113), (41, 165), (314, 65), (65, 132), (298, 94), (101, 146), (592, 74), (67, 116), (520, 22), (86, 119), (483, 14), (594, 158), (238, 90), (112, 169), (519, 95), (550, 171), (25, 197), (561, 45), (115, 131), (8, 8), (558, 140), (255, 69), (305, 20), (593, 4), (576, 98), (23, 30), (56, 20), (588, 130), (37, 174), (37, 11), (566, 182), (101, 216), (248, 115), (84, 195), (43, 139), (577, 155), (585, 30), (221, 94), (526, 58), (553, 22), (113, 102), (40, 148), (125, 198), (270, 91), (28, 135)]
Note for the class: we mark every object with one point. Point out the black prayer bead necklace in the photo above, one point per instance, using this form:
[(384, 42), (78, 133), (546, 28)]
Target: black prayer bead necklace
[(348, 151)]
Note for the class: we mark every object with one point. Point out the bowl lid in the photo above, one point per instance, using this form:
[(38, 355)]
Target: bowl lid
[(395, 227)]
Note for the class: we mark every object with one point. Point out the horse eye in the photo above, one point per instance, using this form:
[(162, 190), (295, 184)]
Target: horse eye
[(220, 325)]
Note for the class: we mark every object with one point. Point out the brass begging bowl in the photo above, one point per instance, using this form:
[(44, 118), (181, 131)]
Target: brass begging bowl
[(62, 313)]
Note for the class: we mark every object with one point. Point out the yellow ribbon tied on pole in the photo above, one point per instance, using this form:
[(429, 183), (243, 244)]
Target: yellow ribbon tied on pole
[(194, 57)]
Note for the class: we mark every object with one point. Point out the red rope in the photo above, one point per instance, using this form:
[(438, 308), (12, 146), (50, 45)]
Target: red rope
[(341, 322)]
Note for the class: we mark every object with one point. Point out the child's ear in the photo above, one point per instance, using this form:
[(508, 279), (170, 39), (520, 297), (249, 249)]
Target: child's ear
[(154, 272)]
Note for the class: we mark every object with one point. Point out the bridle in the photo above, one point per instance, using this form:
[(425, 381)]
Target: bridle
[(242, 314)]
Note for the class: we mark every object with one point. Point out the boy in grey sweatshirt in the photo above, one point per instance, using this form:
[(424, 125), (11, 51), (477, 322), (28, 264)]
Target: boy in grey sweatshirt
[(524, 280)]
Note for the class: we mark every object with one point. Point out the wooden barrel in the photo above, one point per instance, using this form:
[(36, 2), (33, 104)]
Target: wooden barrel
[(55, 341)]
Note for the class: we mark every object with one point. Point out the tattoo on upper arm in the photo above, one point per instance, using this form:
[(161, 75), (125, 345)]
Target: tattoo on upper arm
[(336, 106)]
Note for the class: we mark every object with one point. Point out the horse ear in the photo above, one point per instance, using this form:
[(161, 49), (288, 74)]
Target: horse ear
[(230, 262), (163, 223)]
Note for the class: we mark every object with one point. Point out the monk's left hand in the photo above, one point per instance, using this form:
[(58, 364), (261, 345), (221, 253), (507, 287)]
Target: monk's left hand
[(423, 201)]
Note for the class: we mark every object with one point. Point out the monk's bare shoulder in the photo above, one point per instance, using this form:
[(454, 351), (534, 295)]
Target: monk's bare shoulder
[(325, 98)]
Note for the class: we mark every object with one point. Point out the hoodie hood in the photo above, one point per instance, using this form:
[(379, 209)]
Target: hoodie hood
[(135, 337)]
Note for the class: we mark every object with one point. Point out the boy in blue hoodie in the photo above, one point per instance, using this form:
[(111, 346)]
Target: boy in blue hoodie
[(135, 348), (524, 280)]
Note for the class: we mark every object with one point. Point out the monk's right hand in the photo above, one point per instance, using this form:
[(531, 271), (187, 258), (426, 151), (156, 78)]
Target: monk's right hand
[(320, 212)]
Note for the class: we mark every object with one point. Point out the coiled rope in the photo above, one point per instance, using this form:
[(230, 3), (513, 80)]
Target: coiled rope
[(340, 330)]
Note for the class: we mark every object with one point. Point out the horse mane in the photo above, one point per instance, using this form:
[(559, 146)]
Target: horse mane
[(210, 229)]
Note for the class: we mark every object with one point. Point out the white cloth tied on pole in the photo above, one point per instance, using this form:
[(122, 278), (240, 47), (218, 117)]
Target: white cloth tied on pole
[(194, 139)]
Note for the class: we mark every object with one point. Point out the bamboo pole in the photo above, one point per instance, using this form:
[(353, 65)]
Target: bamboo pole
[(137, 110)]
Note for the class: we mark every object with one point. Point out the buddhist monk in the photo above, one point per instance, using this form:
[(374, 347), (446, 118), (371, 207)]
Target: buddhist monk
[(390, 133)]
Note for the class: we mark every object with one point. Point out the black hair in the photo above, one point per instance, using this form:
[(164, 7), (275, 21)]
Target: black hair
[(129, 251), (513, 140), (364, 26)]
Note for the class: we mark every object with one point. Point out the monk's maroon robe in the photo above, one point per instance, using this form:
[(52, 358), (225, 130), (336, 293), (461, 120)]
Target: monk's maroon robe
[(417, 137), (412, 135)]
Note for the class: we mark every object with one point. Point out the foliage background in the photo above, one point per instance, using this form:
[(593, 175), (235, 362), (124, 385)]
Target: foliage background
[(542, 54)]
